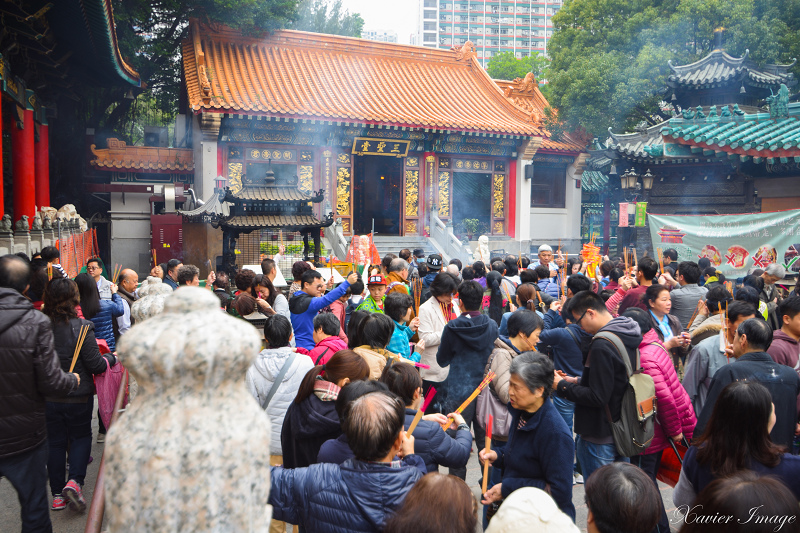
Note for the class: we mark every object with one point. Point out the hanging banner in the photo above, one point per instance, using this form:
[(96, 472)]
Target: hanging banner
[(733, 243), (641, 214), (623, 214)]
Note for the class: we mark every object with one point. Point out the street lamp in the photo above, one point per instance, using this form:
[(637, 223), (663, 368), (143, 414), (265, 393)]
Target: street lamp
[(647, 180)]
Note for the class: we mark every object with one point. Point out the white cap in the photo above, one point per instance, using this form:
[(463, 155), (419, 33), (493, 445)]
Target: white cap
[(545, 248), (530, 509)]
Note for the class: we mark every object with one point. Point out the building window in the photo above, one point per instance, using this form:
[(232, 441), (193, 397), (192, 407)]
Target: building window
[(430, 26), (429, 37), (548, 185), (429, 14)]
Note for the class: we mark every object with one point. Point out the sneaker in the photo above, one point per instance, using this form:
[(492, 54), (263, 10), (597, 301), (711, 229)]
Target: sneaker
[(577, 478), (59, 503), (101, 438), (74, 495)]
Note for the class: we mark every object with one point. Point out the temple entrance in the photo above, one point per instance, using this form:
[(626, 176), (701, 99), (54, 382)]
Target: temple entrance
[(472, 203), (377, 194)]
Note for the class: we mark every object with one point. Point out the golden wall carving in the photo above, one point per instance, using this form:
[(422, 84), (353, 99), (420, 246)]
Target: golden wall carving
[(343, 158), (412, 162), (497, 194), (411, 227), (235, 177), (498, 227), (306, 176), (412, 193), (343, 191), (444, 194), (346, 226)]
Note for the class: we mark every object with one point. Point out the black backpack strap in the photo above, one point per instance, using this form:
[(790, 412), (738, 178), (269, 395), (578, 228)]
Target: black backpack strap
[(571, 334), (321, 356)]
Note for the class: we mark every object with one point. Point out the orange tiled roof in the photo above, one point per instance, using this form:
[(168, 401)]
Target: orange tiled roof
[(325, 77), (119, 156), (525, 94)]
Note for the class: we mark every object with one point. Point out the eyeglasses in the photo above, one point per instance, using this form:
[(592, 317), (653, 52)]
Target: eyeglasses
[(578, 322), (92, 268)]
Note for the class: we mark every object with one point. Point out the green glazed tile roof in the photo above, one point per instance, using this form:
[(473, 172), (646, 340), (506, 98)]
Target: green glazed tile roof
[(594, 181), (756, 135), (719, 68)]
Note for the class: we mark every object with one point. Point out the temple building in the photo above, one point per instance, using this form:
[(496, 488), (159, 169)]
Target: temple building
[(400, 140), (730, 147), (46, 46)]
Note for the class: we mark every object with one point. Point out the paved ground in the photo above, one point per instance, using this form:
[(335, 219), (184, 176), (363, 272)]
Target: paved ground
[(67, 521)]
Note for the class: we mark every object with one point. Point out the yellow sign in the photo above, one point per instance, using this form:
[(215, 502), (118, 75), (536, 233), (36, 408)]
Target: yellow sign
[(370, 146)]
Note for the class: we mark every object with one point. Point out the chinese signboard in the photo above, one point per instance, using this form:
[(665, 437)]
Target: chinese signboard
[(370, 146), (733, 243), (641, 214), (623, 215)]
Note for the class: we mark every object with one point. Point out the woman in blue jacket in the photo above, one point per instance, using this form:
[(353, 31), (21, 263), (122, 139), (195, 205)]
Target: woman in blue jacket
[(540, 447), (102, 313), (431, 443)]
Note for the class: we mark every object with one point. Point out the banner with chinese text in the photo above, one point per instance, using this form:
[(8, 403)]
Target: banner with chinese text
[(733, 243), (641, 214), (623, 214)]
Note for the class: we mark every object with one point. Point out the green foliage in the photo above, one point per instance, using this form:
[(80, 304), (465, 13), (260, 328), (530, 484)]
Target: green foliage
[(328, 16), (270, 248), (609, 57), (505, 66)]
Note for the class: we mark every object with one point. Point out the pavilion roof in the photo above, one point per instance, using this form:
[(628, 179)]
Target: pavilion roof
[(274, 221), (317, 77), (757, 135), (719, 68), (120, 156), (96, 45)]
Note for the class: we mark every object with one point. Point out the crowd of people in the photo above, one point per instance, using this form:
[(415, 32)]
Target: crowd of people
[(346, 370)]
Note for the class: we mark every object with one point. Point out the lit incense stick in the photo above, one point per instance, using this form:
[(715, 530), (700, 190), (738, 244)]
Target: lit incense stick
[(418, 416), (488, 379), (487, 449), (81, 336)]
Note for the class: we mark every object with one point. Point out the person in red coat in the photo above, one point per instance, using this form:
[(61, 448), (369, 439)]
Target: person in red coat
[(675, 416)]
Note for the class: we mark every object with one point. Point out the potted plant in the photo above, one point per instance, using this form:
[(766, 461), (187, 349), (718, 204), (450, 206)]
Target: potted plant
[(471, 226)]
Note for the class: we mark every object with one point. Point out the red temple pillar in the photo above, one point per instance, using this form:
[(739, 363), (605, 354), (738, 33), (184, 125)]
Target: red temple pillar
[(23, 166), (607, 222), (42, 158), (511, 220), (2, 198)]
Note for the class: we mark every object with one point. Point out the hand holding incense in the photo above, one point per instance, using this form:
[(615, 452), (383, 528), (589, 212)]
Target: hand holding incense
[(487, 448), (418, 416), (488, 379)]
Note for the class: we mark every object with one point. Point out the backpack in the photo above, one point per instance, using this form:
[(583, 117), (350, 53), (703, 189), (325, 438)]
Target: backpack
[(348, 310), (635, 428)]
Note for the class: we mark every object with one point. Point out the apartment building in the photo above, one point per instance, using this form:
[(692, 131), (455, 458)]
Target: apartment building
[(519, 26), (383, 36)]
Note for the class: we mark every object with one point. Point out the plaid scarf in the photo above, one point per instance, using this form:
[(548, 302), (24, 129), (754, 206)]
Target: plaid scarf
[(326, 391)]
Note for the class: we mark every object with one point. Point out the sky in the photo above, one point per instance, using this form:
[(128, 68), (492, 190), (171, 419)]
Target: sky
[(395, 15)]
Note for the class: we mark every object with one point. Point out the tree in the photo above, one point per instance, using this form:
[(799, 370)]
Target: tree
[(150, 34), (328, 16), (505, 66), (609, 57)]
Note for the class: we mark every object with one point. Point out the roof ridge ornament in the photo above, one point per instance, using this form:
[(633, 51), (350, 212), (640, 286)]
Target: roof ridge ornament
[(779, 103), (465, 52)]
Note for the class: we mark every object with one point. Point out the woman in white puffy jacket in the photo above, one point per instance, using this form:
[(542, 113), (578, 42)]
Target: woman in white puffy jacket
[(262, 375)]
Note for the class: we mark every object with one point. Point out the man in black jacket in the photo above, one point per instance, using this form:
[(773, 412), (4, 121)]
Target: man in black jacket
[(750, 344), (467, 342), (29, 370), (599, 390)]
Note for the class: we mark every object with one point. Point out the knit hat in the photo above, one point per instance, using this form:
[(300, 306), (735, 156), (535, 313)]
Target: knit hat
[(545, 248), (377, 279), (530, 509), (435, 262)]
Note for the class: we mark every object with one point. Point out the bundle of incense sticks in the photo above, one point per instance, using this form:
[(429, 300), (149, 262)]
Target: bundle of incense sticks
[(418, 416), (691, 320), (485, 383), (541, 303), (635, 259), (487, 448), (117, 270), (330, 262), (49, 271), (416, 286), (729, 286), (446, 311), (81, 336), (155, 261), (625, 256), (660, 259)]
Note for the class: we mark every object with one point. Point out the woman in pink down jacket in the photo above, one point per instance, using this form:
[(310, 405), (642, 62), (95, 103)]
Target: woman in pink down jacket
[(675, 415)]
